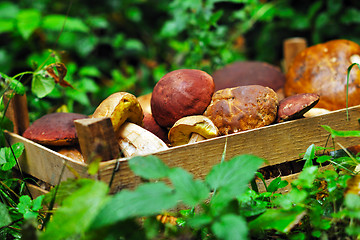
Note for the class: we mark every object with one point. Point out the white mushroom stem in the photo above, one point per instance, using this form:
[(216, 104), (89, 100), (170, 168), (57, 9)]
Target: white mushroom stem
[(195, 137), (135, 140)]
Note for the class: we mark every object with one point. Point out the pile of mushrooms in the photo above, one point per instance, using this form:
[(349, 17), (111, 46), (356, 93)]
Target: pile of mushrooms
[(189, 105)]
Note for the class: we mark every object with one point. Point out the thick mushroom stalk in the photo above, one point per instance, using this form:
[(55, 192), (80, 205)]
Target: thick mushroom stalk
[(135, 140), (192, 129)]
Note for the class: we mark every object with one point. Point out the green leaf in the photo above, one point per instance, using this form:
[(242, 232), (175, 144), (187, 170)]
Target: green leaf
[(335, 133), (42, 84), (25, 207), (309, 156), (306, 177), (6, 25), (7, 160), (55, 22), (294, 197), (8, 10), (77, 211), (276, 184), (17, 86), (5, 216), (149, 167), (231, 178), (89, 71), (278, 219), (230, 227), (148, 199), (352, 201), (188, 190), (27, 21), (199, 221)]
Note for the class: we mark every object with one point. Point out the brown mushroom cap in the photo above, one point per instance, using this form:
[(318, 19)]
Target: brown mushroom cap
[(181, 93), (249, 73), (322, 69), (181, 132), (55, 129), (120, 107), (151, 125), (296, 106), (242, 108)]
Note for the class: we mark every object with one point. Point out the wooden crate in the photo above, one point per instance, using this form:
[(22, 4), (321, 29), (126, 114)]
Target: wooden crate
[(278, 143)]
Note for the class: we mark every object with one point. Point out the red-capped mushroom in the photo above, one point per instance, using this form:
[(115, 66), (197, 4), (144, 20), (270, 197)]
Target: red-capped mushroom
[(181, 93)]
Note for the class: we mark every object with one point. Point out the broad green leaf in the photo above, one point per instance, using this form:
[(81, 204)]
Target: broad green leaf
[(6, 25), (188, 190), (199, 221), (294, 197), (55, 23), (77, 211), (7, 160), (5, 218), (276, 184), (351, 15), (309, 156), (323, 158), (25, 207), (27, 21), (306, 177), (149, 167), (278, 219), (231, 178), (89, 71), (148, 199), (8, 10), (230, 227), (42, 85), (352, 201), (335, 133)]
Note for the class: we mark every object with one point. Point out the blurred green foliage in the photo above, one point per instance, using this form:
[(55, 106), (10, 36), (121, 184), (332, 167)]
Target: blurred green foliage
[(111, 46)]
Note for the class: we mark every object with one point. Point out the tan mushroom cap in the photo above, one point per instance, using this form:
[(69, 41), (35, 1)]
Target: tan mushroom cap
[(72, 153), (120, 107), (182, 130), (242, 108), (322, 69), (55, 129)]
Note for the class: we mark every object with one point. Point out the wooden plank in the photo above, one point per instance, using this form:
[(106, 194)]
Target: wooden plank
[(46, 164), (292, 46), (17, 111), (97, 139), (277, 143)]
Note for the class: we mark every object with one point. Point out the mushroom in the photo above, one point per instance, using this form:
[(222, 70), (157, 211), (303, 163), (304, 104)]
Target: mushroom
[(249, 73), (73, 153), (144, 101), (151, 125), (316, 112), (126, 115), (135, 140), (295, 106), (242, 108), (181, 93), (322, 69), (54, 129), (120, 107), (192, 129)]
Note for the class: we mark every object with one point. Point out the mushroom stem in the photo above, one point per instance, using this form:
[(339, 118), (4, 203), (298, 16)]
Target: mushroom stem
[(195, 137)]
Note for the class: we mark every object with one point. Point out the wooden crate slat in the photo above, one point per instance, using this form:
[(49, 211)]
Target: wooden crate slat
[(276, 143), (44, 163)]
